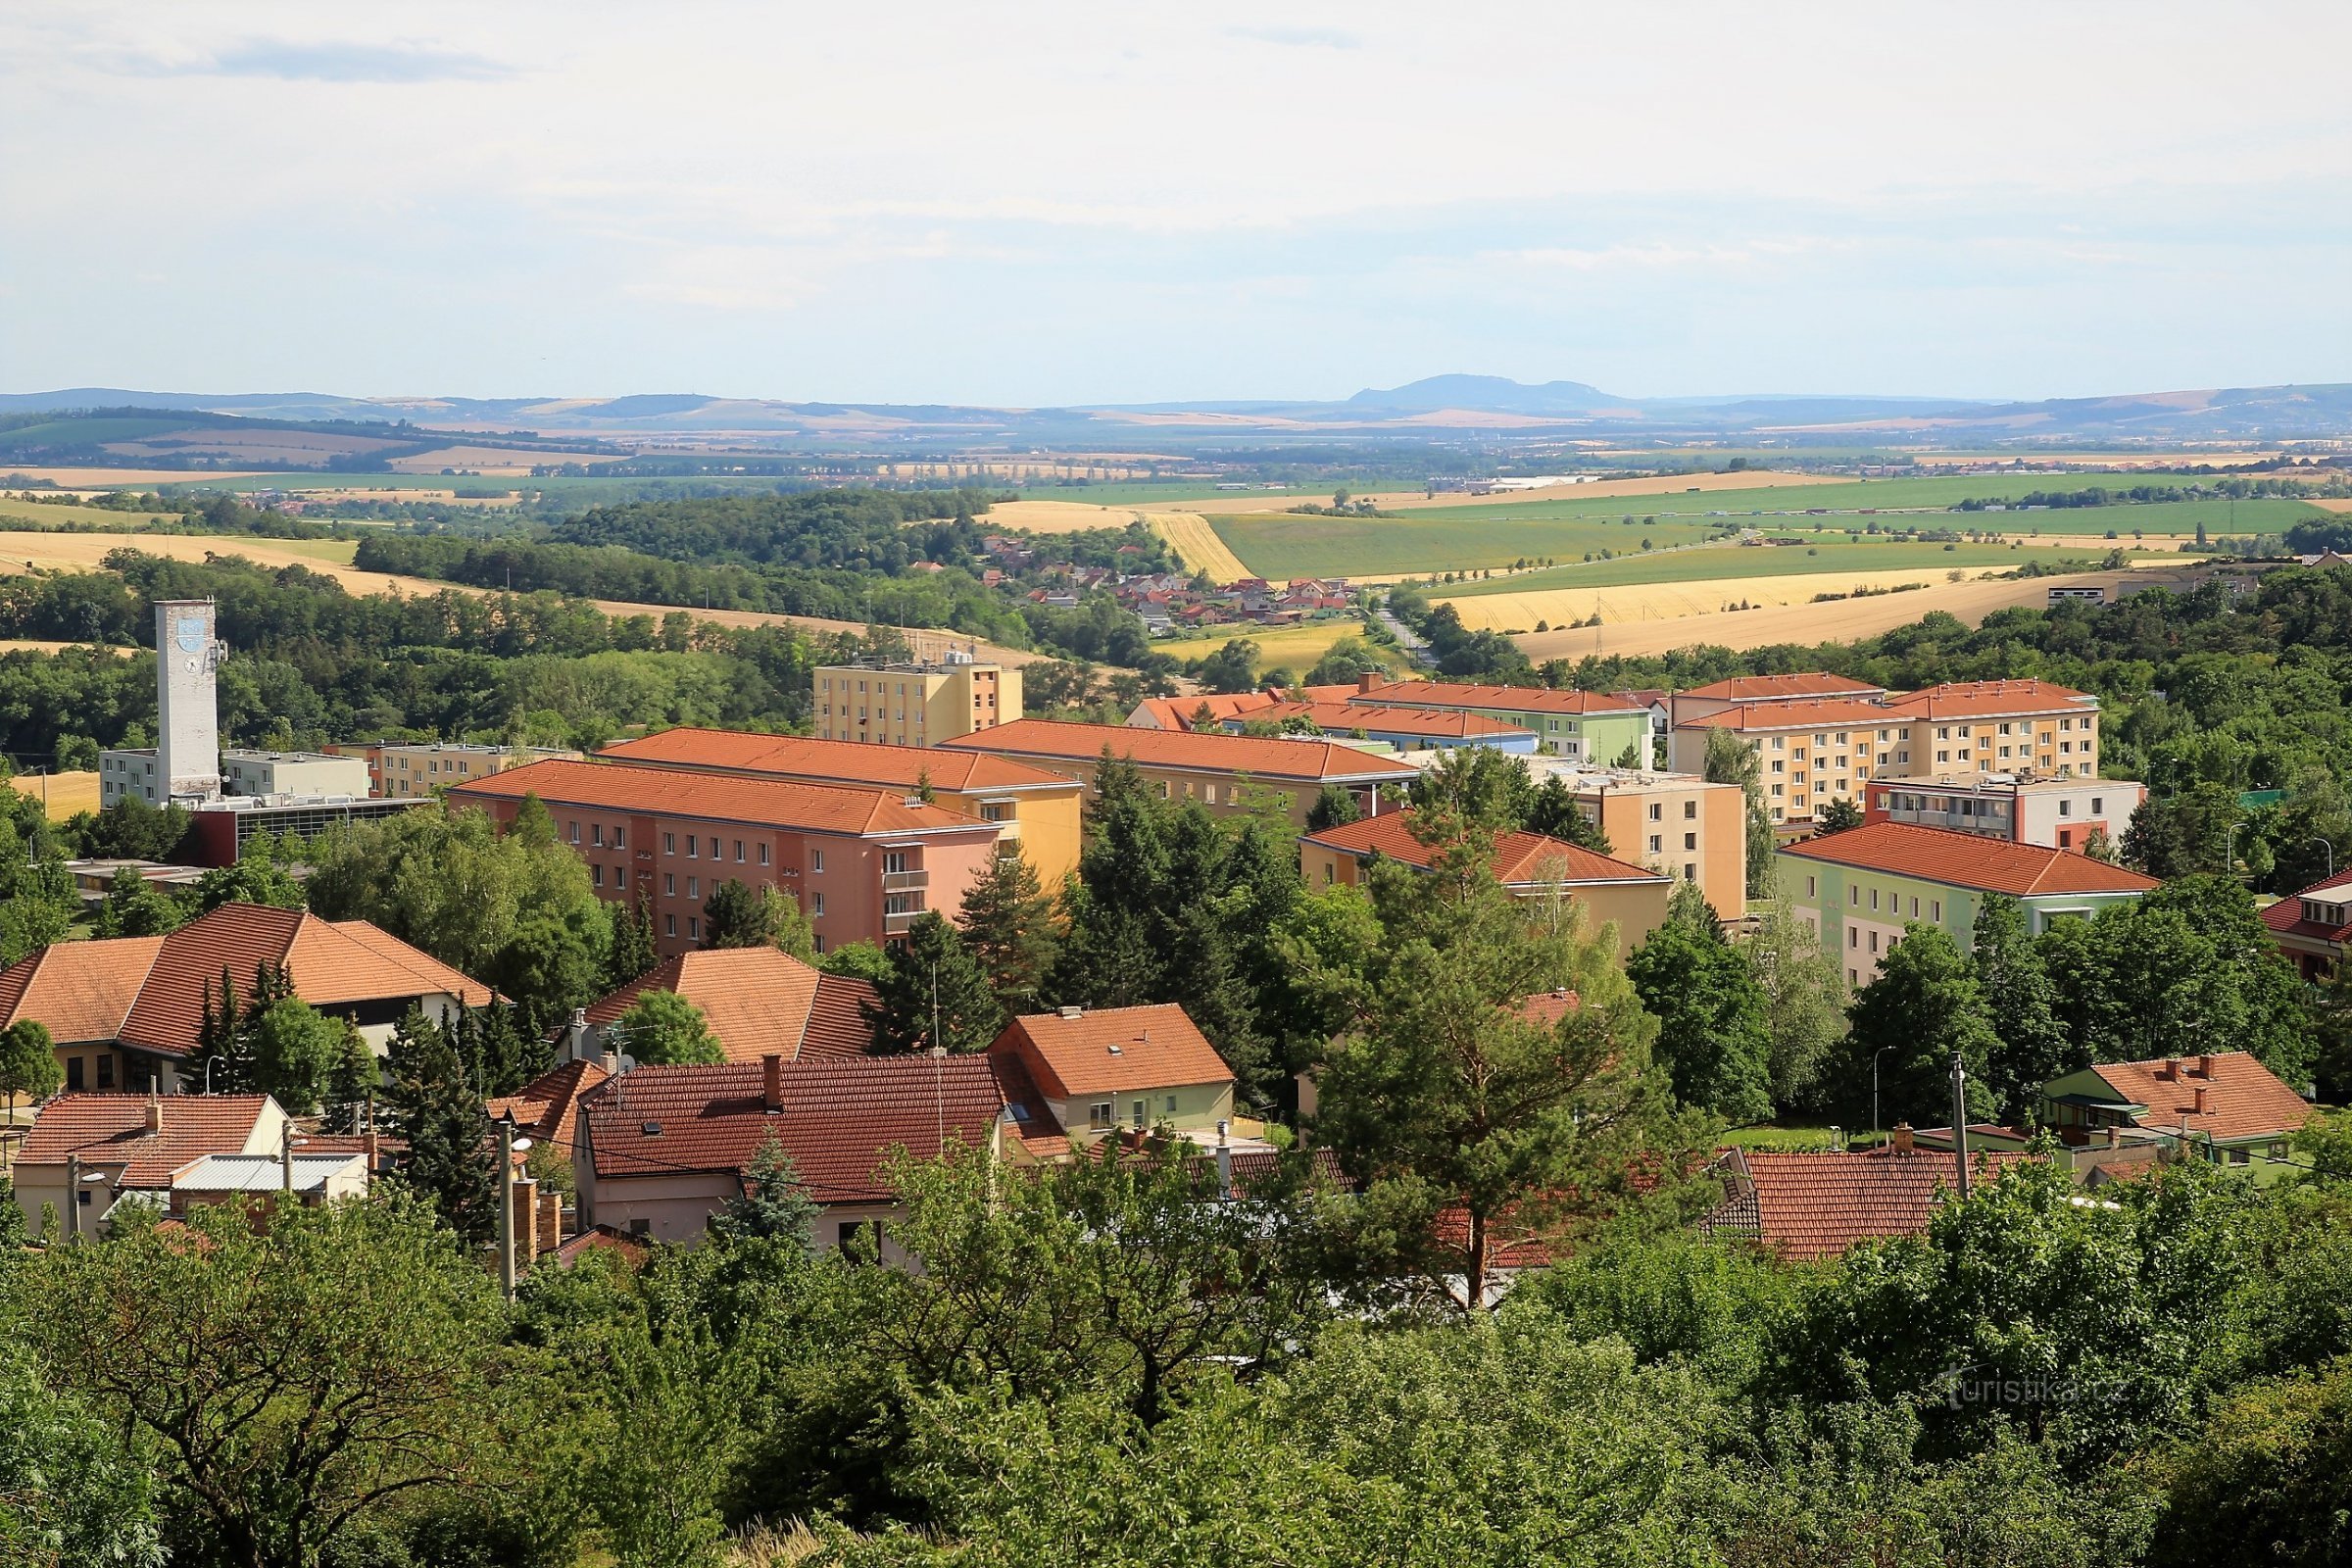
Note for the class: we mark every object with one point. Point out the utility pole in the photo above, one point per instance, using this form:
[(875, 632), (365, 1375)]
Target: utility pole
[(74, 1197), (1960, 1120), (506, 1203), (285, 1160)]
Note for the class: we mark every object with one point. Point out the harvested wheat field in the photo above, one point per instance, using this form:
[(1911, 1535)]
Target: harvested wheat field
[(1669, 600), (2331, 506), (1197, 546), (1055, 517), (127, 478), (1187, 533), (1804, 624)]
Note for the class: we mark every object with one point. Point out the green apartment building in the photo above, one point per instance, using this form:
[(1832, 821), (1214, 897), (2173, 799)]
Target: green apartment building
[(1859, 888), (1588, 726)]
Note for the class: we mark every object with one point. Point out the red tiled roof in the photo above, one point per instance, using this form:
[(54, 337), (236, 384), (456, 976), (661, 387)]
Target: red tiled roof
[(1822, 714), (1301, 760), (852, 763), (839, 1120), (112, 1130), (1439, 721), (1818, 1206), (1966, 861), (1990, 699), (1520, 858), (80, 991), (1112, 1050), (1781, 688), (1176, 712), (759, 1002), (2243, 1099), (717, 798), (1515, 699), (1547, 1007), (149, 991), (547, 1108), (602, 1238), (2283, 917)]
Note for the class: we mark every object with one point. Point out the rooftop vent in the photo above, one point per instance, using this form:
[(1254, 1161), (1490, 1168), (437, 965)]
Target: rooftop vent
[(1072, 1012), (651, 1129), (1118, 1050)]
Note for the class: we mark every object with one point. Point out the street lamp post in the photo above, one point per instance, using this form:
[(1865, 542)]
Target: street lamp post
[(2330, 849)]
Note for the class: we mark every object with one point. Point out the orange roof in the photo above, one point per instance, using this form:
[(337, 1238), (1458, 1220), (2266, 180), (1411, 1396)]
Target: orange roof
[(149, 991), (717, 798), (1300, 759), (547, 1108), (80, 991), (1547, 1007), (759, 1002), (857, 764), (1106, 1050), (1515, 699), (2243, 1099), (1781, 688), (1520, 858), (1965, 861), (1990, 699), (1176, 712), (1818, 1206), (1439, 722), (1813, 714), (112, 1130)]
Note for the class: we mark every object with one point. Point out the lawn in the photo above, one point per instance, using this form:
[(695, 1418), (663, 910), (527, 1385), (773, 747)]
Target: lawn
[(1833, 554)]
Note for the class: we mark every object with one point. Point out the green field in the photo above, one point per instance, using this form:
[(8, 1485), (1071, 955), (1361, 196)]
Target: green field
[(83, 432), (1861, 497), (1781, 561), (51, 514), (1187, 493), (1437, 540)]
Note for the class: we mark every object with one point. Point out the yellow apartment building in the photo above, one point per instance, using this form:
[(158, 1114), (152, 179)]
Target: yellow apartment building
[(915, 705)]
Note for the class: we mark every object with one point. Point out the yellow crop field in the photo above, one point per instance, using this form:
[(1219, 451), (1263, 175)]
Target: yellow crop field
[(1297, 649), (1197, 546), (1055, 517), (1187, 533), (1668, 601), (62, 793)]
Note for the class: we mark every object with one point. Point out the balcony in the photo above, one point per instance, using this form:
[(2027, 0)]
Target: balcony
[(904, 881), (897, 925)]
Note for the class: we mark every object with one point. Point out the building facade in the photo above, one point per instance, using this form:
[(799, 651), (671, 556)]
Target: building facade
[(1031, 807), (292, 773), (915, 704), (1105, 1070), (2057, 814), (415, 772), (1586, 726), (1858, 889), (1678, 823), (1401, 729), (860, 864), (187, 662)]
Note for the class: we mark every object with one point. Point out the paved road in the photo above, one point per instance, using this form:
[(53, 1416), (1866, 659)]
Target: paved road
[(1406, 638)]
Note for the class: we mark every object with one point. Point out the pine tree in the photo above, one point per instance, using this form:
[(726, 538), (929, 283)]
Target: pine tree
[(633, 950), (1552, 809), (499, 1058), (935, 992), (353, 1085), (1713, 1036), (773, 1205), (451, 1159), (1007, 921), (220, 1062), (1335, 806)]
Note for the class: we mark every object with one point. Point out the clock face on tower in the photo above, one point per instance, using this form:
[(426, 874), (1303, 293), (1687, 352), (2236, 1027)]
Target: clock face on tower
[(189, 632)]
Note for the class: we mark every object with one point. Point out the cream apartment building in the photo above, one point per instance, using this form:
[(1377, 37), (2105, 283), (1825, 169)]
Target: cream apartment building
[(915, 705)]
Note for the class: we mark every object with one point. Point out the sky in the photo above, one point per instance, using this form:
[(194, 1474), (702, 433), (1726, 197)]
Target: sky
[(1046, 204)]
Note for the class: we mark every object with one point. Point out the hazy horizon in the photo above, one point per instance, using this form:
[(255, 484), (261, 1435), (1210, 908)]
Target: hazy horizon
[(1067, 206)]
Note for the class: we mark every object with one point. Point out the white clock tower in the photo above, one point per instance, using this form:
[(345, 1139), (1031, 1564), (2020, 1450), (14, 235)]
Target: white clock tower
[(187, 706)]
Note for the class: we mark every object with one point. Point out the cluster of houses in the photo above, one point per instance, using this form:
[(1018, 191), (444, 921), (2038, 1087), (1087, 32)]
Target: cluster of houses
[(1968, 791), (1173, 601)]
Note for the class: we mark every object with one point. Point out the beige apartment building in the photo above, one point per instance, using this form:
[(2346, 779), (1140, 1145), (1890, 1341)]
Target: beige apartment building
[(915, 705), (409, 772), (1677, 823), (1812, 751)]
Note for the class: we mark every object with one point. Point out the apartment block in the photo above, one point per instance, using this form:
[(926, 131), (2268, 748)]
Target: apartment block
[(1217, 770), (1030, 805), (138, 773), (1998, 727), (1677, 823), (1859, 888), (915, 704), (1586, 726), (412, 772), (862, 863), (1741, 691), (2057, 814), (1810, 753)]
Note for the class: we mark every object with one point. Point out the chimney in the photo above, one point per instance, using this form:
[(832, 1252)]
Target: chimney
[(155, 1112), (1902, 1138), (2172, 1068), (771, 1081), (2205, 1067), (374, 1154), (2115, 1136), (2200, 1099), (1071, 1012), (1224, 1163), (1367, 680)]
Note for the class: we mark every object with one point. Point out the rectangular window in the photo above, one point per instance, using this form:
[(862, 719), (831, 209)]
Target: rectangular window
[(1657, 812), (1937, 911), (669, 884), (1655, 843), (2097, 805), (575, 831), (670, 926), (596, 834), (620, 838), (1853, 936), (816, 860), (1689, 811), (1171, 1105), (693, 928), (1690, 840), (1915, 909), (1812, 887), (669, 843), (694, 887), (763, 854), (106, 1070), (1098, 1116), (1873, 900), (894, 862), (596, 875), (690, 843), (817, 903), (739, 851), (715, 848)]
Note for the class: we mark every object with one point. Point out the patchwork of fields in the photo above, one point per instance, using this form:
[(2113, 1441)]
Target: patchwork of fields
[(1834, 556)]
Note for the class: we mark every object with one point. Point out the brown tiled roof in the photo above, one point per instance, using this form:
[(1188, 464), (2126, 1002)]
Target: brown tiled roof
[(1520, 858), (1112, 1050), (602, 1238), (1300, 759), (1518, 699), (1781, 688), (1818, 1206), (1439, 721), (1966, 861), (547, 1108), (1830, 712), (839, 1122), (149, 991), (822, 761), (1176, 712), (1547, 1007), (80, 991), (759, 1002), (2284, 918), (112, 1130), (1990, 699), (2243, 1099), (716, 797)]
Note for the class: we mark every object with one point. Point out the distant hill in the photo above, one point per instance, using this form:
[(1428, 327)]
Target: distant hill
[(1486, 394)]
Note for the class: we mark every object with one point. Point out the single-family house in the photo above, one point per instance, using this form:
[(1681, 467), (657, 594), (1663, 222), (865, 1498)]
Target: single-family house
[(1100, 1070)]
